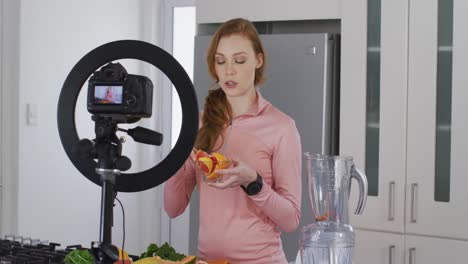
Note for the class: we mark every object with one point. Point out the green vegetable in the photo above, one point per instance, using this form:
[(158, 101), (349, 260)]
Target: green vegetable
[(174, 256), (79, 256), (150, 251), (165, 252)]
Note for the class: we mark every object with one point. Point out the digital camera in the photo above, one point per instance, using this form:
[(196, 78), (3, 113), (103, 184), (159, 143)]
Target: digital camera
[(114, 92)]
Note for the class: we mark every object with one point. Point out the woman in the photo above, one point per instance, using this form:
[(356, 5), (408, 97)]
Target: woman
[(241, 217)]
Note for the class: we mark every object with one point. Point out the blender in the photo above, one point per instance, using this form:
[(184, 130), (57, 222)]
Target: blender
[(330, 240)]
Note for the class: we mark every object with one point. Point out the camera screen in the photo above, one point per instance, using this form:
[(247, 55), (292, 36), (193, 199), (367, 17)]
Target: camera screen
[(107, 94)]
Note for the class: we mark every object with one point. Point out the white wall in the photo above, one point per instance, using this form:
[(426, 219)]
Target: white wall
[(55, 202), (217, 11)]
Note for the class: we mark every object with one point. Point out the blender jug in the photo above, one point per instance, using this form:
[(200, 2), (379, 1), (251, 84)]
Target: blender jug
[(329, 183), (330, 240)]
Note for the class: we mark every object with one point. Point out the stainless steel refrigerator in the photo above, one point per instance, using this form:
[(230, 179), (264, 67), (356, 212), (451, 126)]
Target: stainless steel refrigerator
[(302, 80)]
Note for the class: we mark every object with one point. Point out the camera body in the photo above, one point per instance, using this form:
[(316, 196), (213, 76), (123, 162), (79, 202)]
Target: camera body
[(115, 93)]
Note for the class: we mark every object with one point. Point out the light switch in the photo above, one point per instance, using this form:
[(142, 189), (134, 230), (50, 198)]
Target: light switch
[(32, 114)]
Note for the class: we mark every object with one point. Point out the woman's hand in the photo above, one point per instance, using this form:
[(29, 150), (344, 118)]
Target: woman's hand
[(239, 174)]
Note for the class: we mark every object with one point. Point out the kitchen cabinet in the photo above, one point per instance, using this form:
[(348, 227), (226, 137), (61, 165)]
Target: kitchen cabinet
[(378, 247), (387, 248), (425, 250), (373, 106), (403, 119), (437, 146), (209, 11), (402, 113)]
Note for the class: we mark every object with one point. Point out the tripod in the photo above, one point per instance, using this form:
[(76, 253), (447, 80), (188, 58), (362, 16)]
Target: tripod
[(107, 149)]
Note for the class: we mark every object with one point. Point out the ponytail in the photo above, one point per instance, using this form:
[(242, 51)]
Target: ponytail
[(216, 115)]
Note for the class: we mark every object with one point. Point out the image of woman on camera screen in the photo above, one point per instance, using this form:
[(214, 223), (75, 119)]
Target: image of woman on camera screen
[(107, 94), (241, 216)]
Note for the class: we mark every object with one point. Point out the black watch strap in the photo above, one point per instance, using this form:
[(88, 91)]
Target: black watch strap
[(254, 187)]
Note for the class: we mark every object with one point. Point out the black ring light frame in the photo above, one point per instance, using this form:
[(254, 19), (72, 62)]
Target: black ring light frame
[(130, 49)]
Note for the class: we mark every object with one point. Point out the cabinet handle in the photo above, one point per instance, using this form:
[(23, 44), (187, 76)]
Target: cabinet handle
[(391, 254), (414, 198), (391, 201), (412, 256)]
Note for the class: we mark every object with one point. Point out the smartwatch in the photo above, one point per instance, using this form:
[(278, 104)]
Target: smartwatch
[(254, 187)]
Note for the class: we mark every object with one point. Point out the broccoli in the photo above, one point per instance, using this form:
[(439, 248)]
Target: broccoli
[(165, 252), (174, 256), (150, 251)]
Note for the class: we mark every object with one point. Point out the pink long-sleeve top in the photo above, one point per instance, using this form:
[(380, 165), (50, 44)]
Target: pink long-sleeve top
[(234, 226)]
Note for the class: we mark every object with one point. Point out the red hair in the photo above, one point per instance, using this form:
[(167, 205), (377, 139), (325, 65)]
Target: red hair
[(217, 111)]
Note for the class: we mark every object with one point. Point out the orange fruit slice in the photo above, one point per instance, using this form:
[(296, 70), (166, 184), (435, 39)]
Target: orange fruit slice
[(209, 164), (206, 165), (200, 153), (213, 176), (223, 161)]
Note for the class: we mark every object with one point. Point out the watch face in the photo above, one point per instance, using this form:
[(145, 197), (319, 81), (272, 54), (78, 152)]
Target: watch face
[(254, 189)]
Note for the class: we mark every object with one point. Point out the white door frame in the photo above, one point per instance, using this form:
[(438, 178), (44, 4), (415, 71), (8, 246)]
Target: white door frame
[(166, 92), (2, 98), (9, 98)]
